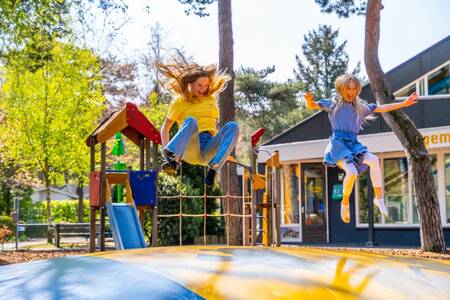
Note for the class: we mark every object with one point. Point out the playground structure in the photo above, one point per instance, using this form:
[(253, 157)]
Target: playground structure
[(133, 124), (127, 219)]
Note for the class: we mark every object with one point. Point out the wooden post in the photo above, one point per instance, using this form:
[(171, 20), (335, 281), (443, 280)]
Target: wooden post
[(277, 208), (253, 156), (102, 195), (141, 153), (228, 218), (58, 242), (92, 220), (265, 213), (155, 208), (147, 154), (142, 156), (245, 220)]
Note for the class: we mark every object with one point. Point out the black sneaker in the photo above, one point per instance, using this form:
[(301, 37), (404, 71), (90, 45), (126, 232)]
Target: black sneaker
[(168, 155), (209, 178), (170, 167)]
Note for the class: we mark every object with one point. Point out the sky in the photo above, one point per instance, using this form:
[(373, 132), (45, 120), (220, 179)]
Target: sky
[(270, 32)]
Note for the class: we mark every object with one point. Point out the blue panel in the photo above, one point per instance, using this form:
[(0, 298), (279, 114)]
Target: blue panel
[(86, 278), (125, 226), (143, 186)]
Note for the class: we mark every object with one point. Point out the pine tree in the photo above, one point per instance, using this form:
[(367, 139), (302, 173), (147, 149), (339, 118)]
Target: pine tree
[(323, 61)]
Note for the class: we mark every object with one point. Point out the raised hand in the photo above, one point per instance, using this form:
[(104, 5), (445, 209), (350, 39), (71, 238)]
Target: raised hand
[(308, 97), (411, 100)]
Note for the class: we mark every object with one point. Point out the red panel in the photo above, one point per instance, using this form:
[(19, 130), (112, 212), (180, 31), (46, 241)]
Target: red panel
[(94, 188), (257, 135), (139, 122)]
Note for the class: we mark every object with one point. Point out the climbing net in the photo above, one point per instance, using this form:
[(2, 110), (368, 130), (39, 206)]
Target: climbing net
[(225, 199)]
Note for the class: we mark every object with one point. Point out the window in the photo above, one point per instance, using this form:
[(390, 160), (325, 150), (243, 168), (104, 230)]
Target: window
[(436, 82), (439, 81), (396, 189), (422, 86), (405, 92), (313, 185), (291, 212), (362, 200), (399, 192)]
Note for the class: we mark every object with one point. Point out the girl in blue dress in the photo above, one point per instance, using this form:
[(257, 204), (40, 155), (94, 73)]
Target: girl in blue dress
[(348, 114)]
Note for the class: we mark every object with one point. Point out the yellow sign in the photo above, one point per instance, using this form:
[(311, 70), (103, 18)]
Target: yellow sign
[(436, 139)]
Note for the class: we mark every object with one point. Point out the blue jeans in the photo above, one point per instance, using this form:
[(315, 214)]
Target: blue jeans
[(203, 148)]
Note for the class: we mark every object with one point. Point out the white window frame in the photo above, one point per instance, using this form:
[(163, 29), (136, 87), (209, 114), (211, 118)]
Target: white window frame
[(440, 164)]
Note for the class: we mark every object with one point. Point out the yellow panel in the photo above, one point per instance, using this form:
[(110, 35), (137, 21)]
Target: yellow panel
[(258, 182), (117, 178), (128, 193), (274, 160)]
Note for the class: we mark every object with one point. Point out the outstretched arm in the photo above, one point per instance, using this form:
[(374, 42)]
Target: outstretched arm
[(411, 100), (309, 98)]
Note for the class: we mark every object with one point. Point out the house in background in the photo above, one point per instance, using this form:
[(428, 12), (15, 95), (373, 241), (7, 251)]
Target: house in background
[(67, 192), (310, 198)]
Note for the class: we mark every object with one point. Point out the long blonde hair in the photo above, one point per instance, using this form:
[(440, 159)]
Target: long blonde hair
[(179, 74), (361, 106)]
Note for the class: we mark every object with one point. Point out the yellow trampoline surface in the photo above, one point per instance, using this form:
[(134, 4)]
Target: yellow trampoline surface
[(226, 272)]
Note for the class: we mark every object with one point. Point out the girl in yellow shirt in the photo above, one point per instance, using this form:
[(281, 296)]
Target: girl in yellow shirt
[(195, 111)]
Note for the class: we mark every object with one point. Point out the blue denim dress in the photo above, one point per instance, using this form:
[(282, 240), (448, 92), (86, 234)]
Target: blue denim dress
[(346, 125)]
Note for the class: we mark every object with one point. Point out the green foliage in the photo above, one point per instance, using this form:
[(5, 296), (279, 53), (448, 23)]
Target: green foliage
[(50, 111), (198, 7), (30, 27), (324, 60), (63, 211), (155, 110), (343, 8)]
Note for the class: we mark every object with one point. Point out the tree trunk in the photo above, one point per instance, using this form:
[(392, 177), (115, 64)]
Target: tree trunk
[(227, 113), (80, 200), (49, 210), (431, 234), (8, 198)]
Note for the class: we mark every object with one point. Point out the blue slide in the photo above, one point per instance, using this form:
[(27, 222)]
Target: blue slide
[(125, 226)]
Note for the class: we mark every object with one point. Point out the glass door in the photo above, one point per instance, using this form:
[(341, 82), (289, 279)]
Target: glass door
[(313, 203)]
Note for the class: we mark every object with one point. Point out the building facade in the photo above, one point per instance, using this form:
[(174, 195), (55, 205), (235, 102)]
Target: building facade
[(311, 192)]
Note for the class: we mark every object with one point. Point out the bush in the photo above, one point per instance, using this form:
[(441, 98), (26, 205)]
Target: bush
[(7, 229), (8, 221), (63, 211)]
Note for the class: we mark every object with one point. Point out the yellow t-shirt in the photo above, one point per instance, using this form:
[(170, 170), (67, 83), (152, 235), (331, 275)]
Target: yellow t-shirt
[(205, 111)]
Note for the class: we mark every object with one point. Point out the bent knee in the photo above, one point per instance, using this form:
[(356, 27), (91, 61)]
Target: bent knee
[(191, 121), (232, 126)]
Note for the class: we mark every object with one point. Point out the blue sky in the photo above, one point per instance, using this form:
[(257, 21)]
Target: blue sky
[(270, 32)]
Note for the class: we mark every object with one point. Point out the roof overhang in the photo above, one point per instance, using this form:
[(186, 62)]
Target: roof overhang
[(435, 137), (130, 121)]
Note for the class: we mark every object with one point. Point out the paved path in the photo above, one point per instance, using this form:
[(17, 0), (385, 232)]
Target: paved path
[(215, 272)]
